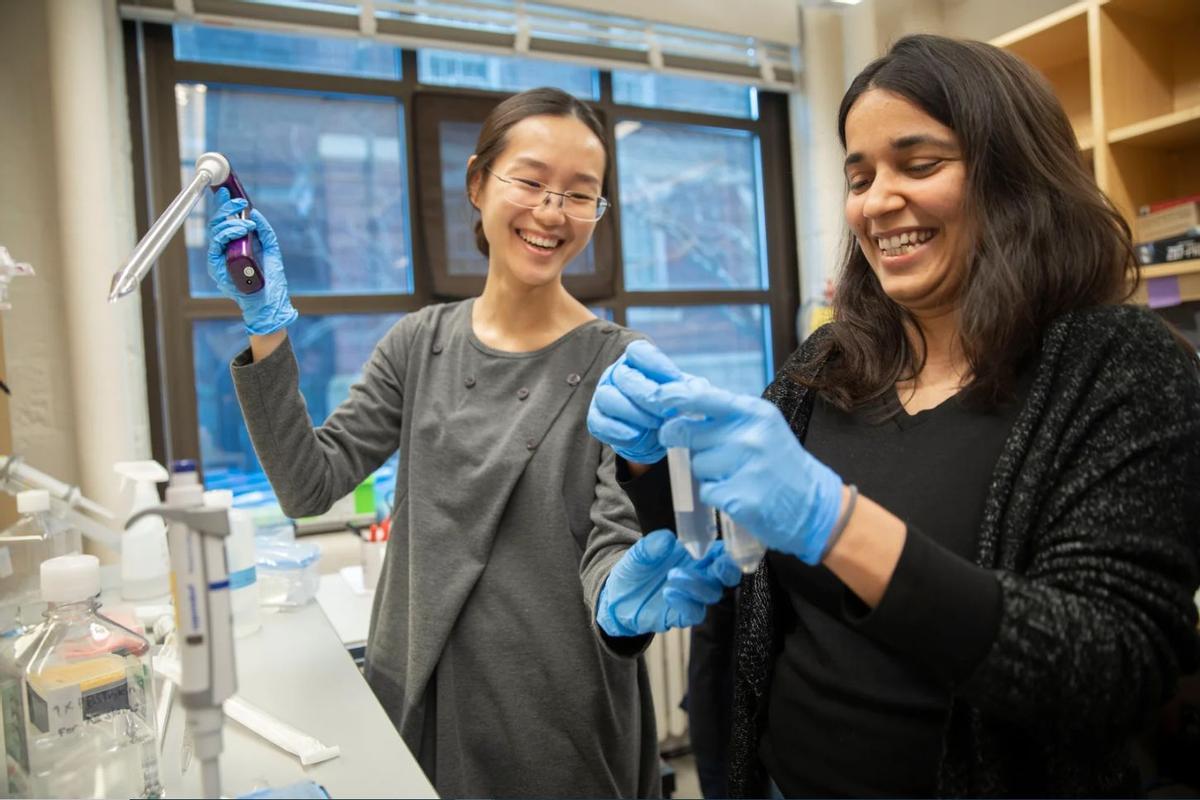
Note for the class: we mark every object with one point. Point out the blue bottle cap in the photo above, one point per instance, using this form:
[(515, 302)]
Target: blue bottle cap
[(183, 465)]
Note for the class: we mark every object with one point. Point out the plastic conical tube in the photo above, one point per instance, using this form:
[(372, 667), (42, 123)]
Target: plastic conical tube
[(741, 545), (695, 525)]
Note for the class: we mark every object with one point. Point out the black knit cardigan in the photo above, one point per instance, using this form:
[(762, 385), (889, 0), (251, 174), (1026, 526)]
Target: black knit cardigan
[(1092, 525)]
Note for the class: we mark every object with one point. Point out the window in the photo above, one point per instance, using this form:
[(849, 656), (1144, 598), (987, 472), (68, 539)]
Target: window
[(503, 73), (728, 344), (328, 170), (651, 90), (282, 51), (446, 131), (357, 153), (691, 199), (330, 349)]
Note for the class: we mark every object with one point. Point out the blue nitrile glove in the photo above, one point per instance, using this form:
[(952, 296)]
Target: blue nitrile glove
[(751, 466), (657, 585), (265, 311), (619, 414)]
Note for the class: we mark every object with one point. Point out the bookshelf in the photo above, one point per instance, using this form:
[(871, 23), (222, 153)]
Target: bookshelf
[(1058, 46), (1137, 113)]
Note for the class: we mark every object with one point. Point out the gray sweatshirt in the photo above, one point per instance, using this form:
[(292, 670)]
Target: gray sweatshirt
[(483, 646)]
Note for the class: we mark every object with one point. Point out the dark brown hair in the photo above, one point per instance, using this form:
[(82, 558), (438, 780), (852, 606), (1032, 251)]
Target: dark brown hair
[(1046, 239), (493, 138)]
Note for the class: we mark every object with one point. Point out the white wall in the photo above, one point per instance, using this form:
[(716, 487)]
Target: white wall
[(75, 362), (35, 330)]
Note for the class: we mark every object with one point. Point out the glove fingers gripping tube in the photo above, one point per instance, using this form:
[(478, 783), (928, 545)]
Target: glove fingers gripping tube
[(243, 268)]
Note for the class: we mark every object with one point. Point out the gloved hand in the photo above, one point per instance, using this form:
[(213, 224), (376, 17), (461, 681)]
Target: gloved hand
[(656, 586), (750, 465), (621, 414), (265, 311)]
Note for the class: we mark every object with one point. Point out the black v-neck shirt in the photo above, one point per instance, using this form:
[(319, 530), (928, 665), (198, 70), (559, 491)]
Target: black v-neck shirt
[(848, 715)]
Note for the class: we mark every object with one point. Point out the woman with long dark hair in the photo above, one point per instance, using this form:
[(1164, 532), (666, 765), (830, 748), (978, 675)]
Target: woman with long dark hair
[(980, 485), (508, 521)]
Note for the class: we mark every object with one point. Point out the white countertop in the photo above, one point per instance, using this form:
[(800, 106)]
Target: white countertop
[(349, 611), (297, 669)]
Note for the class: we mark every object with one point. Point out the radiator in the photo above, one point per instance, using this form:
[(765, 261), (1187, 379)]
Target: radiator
[(666, 661)]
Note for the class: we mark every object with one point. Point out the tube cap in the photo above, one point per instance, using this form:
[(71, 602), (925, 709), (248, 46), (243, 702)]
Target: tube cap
[(70, 579), (31, 501), (183, 473)]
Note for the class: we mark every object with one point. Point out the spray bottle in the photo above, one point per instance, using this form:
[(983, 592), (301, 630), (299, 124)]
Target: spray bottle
[(145, 560)]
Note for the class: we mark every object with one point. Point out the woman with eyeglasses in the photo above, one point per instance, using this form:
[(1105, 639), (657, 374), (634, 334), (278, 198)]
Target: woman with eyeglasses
[(508, 520), (980, 484)]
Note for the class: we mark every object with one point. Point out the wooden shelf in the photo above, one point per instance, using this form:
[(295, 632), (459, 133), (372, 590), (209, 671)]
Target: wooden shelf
[(1127, 73), (1158, 10), (1173, 268), (1052, 41), (1180, 128), (1057, 46)]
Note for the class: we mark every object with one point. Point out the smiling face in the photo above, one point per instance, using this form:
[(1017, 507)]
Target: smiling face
[(534, 245), (906, 187)]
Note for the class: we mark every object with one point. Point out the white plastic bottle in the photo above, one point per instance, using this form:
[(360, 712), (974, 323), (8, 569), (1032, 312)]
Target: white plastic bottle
[(145, 560), (86, 727), (243, 573)]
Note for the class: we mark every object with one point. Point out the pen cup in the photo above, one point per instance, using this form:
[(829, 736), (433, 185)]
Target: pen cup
[(372, 558), (745, 550)]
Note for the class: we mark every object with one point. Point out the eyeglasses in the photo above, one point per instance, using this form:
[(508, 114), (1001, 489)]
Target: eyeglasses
[(528, 193)]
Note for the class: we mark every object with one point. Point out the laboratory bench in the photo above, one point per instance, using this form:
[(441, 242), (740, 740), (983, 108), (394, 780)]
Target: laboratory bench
[(348, 612), (297, 669)]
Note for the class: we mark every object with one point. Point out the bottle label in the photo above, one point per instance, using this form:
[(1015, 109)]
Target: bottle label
[(15, 746), (61, 698)]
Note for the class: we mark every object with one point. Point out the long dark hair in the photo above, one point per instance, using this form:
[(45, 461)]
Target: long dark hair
[(1046, 239), (493, 138)]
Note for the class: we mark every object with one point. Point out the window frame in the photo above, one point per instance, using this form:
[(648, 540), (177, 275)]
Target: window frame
[(168, 309)]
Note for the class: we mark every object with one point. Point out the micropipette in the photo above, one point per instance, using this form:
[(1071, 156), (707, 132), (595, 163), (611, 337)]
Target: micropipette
[(695, 525), (203, 615)]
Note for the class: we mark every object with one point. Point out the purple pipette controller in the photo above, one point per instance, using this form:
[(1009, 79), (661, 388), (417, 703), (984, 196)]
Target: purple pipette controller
[(240, 263)]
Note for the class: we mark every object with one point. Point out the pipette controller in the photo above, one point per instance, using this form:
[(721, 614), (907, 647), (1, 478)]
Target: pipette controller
[(240, 263)]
